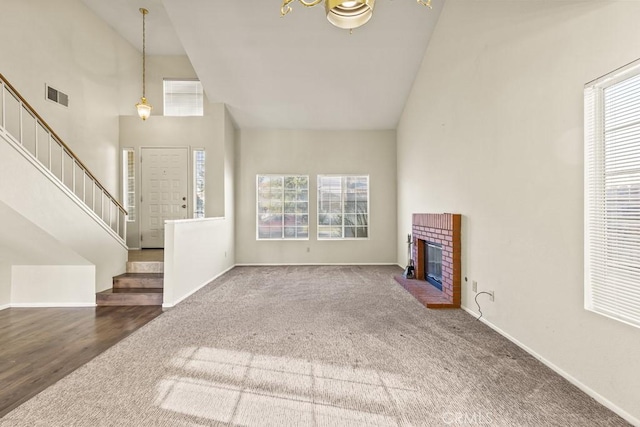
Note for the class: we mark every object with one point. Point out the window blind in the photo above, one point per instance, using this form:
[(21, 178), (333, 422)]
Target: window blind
[(183, 98), (612, 195)]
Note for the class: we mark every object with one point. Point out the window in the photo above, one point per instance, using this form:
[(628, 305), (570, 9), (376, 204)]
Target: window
[(183, 98), (129, 182), (198, 183), (343, 207), (612, 195), (283, 207)]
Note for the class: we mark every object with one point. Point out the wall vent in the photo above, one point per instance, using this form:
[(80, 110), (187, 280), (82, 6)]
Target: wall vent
[(56, 96)]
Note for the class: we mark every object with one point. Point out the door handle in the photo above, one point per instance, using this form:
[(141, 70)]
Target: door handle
[(184, 206), (184, 198)]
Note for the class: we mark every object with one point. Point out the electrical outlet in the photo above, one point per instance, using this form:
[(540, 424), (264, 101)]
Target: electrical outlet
[(491, 296), (308, 249), (474, 286)]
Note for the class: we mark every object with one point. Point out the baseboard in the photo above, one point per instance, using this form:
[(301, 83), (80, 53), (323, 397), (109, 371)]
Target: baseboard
[(169, 305), (52, 304), (302, 264), (2, 307), (588, 390)]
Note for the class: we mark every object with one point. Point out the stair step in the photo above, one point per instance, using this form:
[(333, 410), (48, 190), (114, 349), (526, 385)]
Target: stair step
[(129, 297), (145, 267), (139, 280)]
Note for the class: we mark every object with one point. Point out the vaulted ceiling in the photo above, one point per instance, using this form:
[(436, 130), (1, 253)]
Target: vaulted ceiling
[(292, 72)]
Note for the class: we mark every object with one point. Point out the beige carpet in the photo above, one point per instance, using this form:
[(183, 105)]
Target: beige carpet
[(312, 346)]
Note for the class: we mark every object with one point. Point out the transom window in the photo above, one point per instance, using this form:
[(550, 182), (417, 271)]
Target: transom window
[(343, 207), (183, 97), (612, 195), (283, 207)]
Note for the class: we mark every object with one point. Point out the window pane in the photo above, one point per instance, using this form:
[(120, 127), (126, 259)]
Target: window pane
[(349, 232), (129, 183), (199, 183), (343, 206), (278, 206)]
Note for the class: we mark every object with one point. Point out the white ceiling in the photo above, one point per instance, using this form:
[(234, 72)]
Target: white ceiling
[(292, 72)]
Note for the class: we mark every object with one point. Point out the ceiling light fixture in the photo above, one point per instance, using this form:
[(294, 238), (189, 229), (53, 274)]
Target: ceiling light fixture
[(345, 14), (144, 109)]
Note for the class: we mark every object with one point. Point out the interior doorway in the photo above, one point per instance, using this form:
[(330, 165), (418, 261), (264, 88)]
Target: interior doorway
[(164, 189)]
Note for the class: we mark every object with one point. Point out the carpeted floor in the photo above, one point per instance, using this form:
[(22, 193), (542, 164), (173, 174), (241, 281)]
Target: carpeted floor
[(312, 346)]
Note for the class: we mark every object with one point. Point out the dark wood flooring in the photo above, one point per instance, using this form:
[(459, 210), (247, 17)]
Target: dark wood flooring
[(39, 346)]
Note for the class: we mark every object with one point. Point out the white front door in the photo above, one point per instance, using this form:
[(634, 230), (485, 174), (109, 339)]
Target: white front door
[(164, 173)]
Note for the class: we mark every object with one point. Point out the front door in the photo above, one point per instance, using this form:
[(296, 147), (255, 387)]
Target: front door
[(164, 174)]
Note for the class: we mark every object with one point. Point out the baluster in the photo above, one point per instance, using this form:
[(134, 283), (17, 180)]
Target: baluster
[(49, 145), (61, 163), (73, 175), (35, 132), (20, 132), (3, 104)]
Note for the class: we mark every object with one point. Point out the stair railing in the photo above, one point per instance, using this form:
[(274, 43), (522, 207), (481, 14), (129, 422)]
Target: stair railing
[(20, 123)]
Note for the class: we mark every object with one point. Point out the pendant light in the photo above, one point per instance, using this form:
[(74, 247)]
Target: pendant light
[(144, 109)]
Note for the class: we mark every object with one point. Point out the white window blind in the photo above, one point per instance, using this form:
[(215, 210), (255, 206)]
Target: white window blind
[(612, 195), (183, 98)]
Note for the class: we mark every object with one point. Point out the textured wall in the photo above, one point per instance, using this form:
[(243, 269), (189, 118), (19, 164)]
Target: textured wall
[(497, 111), (312, 153)]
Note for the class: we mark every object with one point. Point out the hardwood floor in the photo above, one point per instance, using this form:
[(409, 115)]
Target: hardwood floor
[(39, 346)]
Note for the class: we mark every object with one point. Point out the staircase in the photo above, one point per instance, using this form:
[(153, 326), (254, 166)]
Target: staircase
[(142, 284)]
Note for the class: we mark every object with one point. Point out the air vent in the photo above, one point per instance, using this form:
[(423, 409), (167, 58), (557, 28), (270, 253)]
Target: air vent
[(56, 96)]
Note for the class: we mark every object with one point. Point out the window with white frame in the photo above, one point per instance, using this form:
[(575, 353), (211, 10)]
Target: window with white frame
[(183, 97), (343, 207), (282, 207), (129, 182), (198, 182), (612, 195)]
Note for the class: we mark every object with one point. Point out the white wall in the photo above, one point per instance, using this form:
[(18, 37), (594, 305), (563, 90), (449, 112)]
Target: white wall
[(5, 285), (311, 153), (65, 45), (196, 252), (206, 132), (496, 114), (53, 285)]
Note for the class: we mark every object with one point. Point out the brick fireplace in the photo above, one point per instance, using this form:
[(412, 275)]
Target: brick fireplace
[(442, 230)]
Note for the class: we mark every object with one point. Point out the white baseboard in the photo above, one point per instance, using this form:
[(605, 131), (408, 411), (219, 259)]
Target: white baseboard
[(169, 305), (2, 307), (588, 390), (52, 304), (302, 264)]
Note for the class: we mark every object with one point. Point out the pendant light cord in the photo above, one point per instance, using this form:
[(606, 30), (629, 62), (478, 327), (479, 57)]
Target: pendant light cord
[(144, 42)]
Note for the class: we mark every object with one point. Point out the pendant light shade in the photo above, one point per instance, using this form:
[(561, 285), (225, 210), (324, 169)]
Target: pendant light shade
[(144, 109), (349, 14)]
